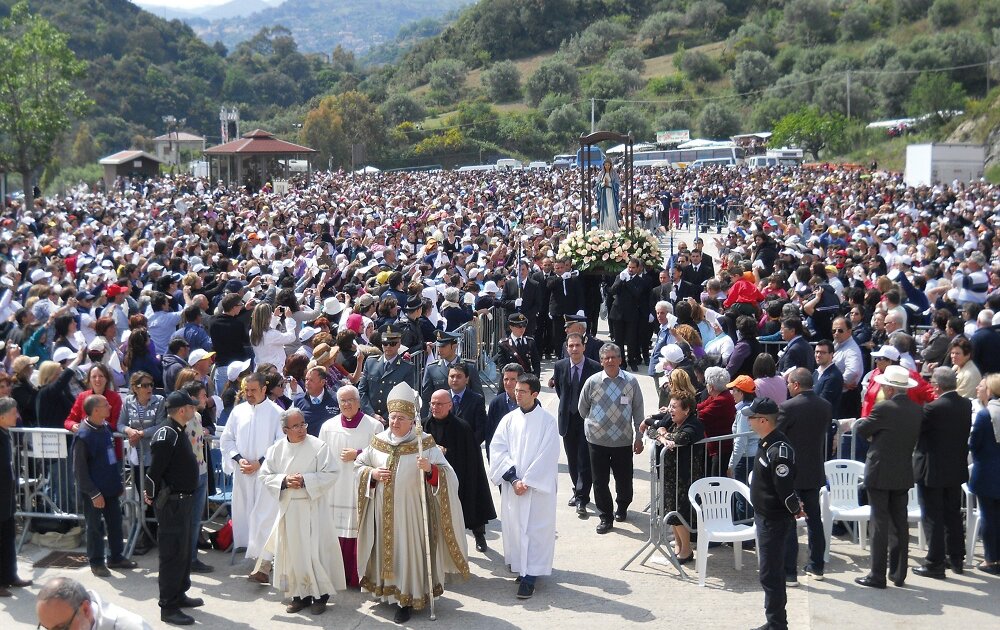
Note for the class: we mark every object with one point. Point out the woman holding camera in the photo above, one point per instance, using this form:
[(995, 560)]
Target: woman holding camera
[(266, 338)]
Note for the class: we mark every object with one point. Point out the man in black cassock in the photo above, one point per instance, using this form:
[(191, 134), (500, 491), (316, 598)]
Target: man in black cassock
[(457, 440)]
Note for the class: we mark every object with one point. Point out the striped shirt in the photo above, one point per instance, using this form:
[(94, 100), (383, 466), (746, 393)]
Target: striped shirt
[(611, 408)]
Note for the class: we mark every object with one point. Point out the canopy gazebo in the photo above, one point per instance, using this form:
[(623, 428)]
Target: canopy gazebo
[(256, 158)]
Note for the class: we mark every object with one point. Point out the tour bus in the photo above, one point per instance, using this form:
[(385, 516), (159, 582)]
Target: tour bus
[(681, 158), (596, 158)]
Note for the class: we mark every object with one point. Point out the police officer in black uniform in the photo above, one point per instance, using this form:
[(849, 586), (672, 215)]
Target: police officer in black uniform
[(518, 347), (775, 506), (171, 481)]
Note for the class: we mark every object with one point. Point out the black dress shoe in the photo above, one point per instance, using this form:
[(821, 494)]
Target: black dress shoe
[(621, 516), (176, 617), (298, 604), (403, 614), (581, 510), (605, 526), (190, 602), (571, 502), (525, 590), (124, 563), (957, 567), (197, 566), (481, 543), (689, 558), (5, 593), (19, 583), (930, 572), (869, 581)]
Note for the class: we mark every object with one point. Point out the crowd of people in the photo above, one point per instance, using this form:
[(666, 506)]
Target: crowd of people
[(285, 322)]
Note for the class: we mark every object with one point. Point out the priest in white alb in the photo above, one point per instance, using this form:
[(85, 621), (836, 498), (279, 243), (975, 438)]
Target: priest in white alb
[(392, 476), (524, 462), (347, 434), (252, 428), (299, 472)]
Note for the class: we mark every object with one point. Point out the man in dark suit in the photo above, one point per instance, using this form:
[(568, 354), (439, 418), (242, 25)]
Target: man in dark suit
[(467, 404), (519, 347), (828, 382), (8, 501), (986, 345), (568, 379), (543, 326), (503, 403), (565, 298), (630, 296), (805, 419), (383, 373), (436, 371), (892, 427), (524, 296), (939, 465), (317, 403), (698, 273), (798, 352), (591, 345)]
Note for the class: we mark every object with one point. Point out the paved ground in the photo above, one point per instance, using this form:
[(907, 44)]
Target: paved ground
[(587, 590)]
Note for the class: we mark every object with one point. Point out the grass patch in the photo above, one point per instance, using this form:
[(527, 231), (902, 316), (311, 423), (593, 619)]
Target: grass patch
[(993, 174)]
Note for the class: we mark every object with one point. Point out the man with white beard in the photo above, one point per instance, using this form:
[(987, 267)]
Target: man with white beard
[(524, 462), (347, 434), (252, 428), (299, 472)]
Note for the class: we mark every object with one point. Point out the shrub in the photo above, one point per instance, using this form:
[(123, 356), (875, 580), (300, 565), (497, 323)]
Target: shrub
[(718, 120), (945, 13), (700, 67), (555, 76), (753, 71), (502, 81)]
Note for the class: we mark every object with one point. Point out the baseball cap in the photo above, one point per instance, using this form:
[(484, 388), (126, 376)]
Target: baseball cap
[(763, 406), (886, 352), (743, 383), (178, 399), (199, 355)]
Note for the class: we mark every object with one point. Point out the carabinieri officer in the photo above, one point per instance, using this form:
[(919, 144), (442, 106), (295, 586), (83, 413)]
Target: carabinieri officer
[(171, 481), (775, 506)]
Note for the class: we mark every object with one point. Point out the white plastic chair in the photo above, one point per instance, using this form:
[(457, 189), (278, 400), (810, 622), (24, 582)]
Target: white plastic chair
[(971, 522), (711, 498), (843, 476), (913, 515)]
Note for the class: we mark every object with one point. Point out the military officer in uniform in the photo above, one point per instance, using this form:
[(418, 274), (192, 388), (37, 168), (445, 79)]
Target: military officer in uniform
[(436, 371), (591, 345), (519, 348), (382, 373), (775, 506), (171, 481)]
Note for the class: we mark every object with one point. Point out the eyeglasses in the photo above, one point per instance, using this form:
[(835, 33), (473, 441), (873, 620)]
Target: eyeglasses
[(296, 427), (63, 626), (838, 331), (144, 385), (390, 343)]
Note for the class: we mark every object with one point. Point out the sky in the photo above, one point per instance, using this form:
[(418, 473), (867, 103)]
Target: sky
[(183, 4)]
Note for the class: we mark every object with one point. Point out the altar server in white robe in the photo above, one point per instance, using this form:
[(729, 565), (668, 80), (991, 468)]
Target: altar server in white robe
[(524, 462), (299, 471), (392, 557), (347, 434), (253, 426)]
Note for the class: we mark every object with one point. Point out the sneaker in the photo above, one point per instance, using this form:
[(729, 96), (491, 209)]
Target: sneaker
[(791, 581), (810, 569)]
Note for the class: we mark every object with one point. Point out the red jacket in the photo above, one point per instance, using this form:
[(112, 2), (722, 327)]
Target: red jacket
[(743, 291), (922, 393), (76, 415), (716, 415)]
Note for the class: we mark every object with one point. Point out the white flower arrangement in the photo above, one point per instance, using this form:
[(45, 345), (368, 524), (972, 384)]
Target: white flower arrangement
[(605, 251)]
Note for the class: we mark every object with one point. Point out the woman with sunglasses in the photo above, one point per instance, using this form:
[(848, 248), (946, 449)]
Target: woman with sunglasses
[(141, 412)]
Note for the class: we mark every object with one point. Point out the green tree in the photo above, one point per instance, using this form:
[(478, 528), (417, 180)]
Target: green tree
[(718, 120), (477, 120), (809, 129), (323, 130), (83, 151), (935, 94), (567, 121), (447, 78), (699, 67), (555, 76), (706, 15), (945, 13), (625, 119), (362, 122), (809, 21), (752, 72), (502, 81), (38, 97), (400, 108), (657, 27), (626, 59)]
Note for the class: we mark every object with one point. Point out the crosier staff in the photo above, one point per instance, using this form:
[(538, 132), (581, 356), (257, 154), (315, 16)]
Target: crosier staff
[(423, 512)]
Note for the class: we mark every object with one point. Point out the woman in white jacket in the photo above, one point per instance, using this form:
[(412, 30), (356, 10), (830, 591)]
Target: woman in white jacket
[(266, 337)]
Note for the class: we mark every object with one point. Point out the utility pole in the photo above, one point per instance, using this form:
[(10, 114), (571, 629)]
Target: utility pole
[(989, 62), (848, 95), (592, 110)]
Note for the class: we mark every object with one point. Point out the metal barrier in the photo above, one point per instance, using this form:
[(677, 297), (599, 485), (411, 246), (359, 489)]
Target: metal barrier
[(47, 486)]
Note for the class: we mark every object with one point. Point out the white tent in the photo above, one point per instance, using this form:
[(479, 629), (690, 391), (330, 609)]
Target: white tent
[(367, 169), (639, 146), (701, 143)]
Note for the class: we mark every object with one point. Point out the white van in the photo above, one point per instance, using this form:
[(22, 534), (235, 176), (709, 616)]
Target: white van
[(476, 167), (761, 161), (538, 165), (509, 164), (725, 161)]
